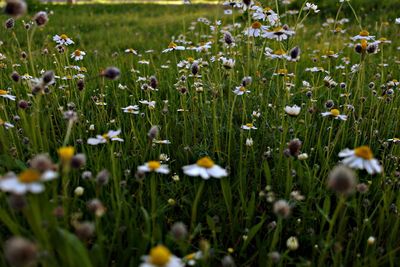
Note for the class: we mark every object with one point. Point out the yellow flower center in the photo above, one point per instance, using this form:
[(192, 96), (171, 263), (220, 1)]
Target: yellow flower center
[(3, 92), (335, 112), (363, 152), (364, 33), (256, 25), (190, 256), (383, 39), (338, 29), (159, 255), (277, 29), (242, 89), (280, 52), (172, 45), (190, 59), (66, 153), (29, 176), (64, 36), (77, 53), (364, 44), (330, 53), (205, 162), (282, 71), (250, 125), (153, 165), (1, 122)]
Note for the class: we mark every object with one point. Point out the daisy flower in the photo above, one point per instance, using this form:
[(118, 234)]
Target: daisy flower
[(78, 55), (6, 125), (313, 7), (202, 47), (160, 256), (397, 21), (4, 93), (334, 113), (228, 63), (154, 166), (282, 72), (240, 90), (29, 180), (101, 139), (360, 158), (394, 140), (248, 126), (278, 33), (363, 35), (172, 47), (62, 39), (150, 104), (162, 142), (277, 54), (131, 51), (205, 168), (265, 14), (131, 109), (292, 110), (233, 3), (256, 29)]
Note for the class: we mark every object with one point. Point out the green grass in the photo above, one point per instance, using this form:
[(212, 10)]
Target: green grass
[(231, 216)]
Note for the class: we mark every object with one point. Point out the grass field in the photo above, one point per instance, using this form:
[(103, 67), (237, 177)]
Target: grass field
[(291, 138)]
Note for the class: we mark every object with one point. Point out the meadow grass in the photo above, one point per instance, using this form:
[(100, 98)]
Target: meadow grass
[(280, 202)]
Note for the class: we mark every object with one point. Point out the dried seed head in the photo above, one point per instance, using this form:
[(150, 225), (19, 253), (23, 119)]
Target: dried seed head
[(23, 104), (103, 177), (80, 84), (228, 38), (84, 231), (247, 81), (294, 147), (41, 163), (294, 53), (247, 2), (41, 18), (15, 8), (15, 76), (96, 207), (153, 132), (358, 48), (372, 48), (153, 82), (342, 180), (9, 24), (227, 261), (362, 188), (86, 175), (60, 49), (274, 256), (20, 251), (48, 77), (195, 68), (24, 55), (329, 104), (179, 231), (282, 208), (111, 73), (78, 161)]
